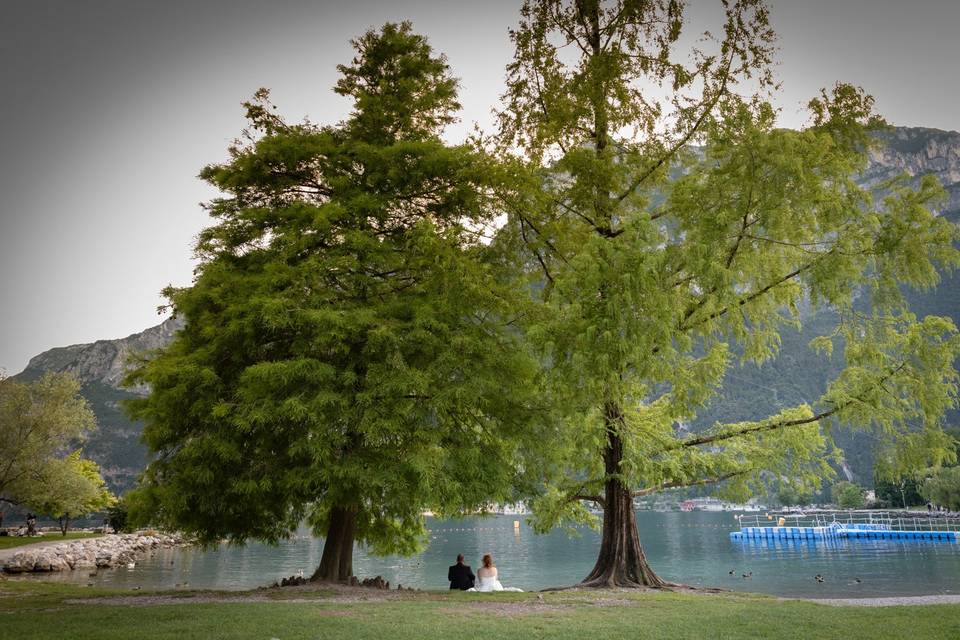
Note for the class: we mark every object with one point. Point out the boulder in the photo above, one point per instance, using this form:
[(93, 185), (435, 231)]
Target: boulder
[(49, 560), (21, 562)]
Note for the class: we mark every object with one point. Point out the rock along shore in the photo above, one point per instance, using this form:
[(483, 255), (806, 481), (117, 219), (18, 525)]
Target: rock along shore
[(107, 551)]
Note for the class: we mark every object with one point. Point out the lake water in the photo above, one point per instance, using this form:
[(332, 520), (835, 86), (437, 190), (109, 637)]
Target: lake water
[(692, 548)]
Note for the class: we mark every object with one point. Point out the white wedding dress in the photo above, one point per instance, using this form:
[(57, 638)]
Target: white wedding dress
[(487, 584)]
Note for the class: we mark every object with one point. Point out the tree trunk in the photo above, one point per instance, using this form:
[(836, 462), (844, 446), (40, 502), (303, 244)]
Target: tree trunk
[(336, 564), (64, 524), (621, 562)]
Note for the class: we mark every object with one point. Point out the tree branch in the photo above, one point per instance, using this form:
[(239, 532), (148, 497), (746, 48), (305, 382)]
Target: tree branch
[(708, 107), (600, 501), (780, 424), (770, 426), (536, 252), (577, 213), (691, 483), (742, 301)]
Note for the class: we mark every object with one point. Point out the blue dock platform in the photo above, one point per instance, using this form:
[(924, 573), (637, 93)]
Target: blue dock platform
[(816, 528)]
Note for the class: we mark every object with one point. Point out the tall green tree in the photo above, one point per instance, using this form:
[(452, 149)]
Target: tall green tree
[(39, 422), (348, 356), (676, 231)]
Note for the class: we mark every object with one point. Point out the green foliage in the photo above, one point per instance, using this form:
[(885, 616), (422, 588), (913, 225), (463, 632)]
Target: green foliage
[(942, 488), (789, 496), (664, 269), (71, 488), (38, 421), (937, 484), (904, 492), (348, 340), (118, 517), (847, 495)]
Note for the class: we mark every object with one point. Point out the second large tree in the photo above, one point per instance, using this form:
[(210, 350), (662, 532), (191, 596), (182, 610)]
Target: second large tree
[(675, 228)]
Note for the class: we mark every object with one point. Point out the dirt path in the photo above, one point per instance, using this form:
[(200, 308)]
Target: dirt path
[(341, 594), (889, 602)]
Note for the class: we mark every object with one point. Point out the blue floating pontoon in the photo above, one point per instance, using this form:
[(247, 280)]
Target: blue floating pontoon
[(871, 526)]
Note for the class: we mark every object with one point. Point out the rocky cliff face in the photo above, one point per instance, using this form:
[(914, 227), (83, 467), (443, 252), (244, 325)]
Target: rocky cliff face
[(918, 152), (795, 376), (103, 361)]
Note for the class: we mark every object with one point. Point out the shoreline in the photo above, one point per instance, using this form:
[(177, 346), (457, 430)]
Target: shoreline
[(45, 540), (105, 551)]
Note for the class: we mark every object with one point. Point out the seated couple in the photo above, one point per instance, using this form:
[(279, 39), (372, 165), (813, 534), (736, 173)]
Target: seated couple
[(461, 577)]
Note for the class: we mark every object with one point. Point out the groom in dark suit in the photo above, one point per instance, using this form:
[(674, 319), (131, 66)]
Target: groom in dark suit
[(460, 575)]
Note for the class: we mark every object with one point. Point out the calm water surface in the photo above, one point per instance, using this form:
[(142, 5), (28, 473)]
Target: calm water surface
[(693, 548)]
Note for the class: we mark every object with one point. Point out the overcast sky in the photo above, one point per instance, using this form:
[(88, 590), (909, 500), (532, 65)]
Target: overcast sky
[(110, 108)]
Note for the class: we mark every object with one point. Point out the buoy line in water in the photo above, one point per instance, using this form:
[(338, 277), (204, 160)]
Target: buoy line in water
[(576, 526)]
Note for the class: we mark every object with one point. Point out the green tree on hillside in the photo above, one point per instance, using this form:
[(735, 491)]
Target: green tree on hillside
[(939, 485), (903, 492), (673, 225), (904, 477), (39, 421), (942, 488), (788, 495), (847, 495), (349, 354)]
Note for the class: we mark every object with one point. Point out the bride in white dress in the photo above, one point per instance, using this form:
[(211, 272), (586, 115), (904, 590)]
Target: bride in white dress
[(487, 578)]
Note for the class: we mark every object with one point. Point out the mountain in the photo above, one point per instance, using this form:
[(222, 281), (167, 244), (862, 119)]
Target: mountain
[(918, 152), (102, 361), (750, 392), (100, 366)]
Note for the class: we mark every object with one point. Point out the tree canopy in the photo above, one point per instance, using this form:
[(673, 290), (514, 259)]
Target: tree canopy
[(72, 487), (677, 231), (39, 422), (348, 345), (942, 487), (847, 495)]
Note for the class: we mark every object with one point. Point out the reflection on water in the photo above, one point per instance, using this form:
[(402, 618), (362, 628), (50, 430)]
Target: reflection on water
[(693, 548)]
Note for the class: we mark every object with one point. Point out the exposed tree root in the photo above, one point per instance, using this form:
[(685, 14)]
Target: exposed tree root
[(665, 586)]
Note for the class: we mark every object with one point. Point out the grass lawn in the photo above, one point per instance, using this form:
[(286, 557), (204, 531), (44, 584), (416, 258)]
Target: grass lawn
[(43, 610), (9, 542)]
